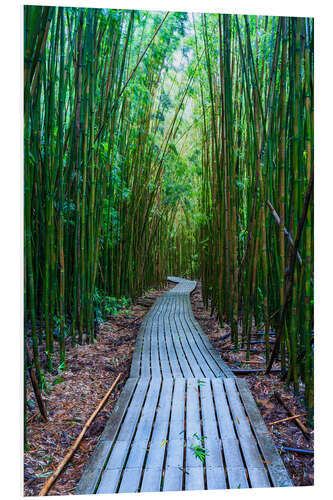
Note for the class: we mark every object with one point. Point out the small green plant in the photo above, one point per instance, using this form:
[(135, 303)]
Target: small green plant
[(108, 306), (199, 438), (61, 367), (44, 386), (198, 449), (58, 380)]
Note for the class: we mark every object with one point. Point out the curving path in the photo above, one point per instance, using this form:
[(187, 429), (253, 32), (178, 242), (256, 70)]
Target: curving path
[(180, 396)]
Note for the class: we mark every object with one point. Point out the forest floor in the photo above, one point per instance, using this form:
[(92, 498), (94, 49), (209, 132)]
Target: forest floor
[(300, 467), (73, 395)]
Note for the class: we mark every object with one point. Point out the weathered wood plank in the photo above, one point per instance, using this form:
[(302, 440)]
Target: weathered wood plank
[(119, 411), (210, 426), (151, 479), (224, 419), (251, 408), (173, 479), (162, 319), (91, 476), (194, 478), (177, 362), (109, 481), (216, 478), (198, 362), (277, 471), (133, 412)]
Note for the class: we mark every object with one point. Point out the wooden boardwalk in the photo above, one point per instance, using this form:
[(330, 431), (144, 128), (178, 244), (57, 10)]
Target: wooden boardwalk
[(181, 395)]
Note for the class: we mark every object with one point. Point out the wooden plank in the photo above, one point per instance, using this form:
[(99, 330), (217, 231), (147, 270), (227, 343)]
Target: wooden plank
[(145, 423), (224, 419), (130, 481), (175, 452), (194, 478), (237, 478), (184, 351), (277, 471), (213, 448), (109, 481), (155, 457), (252, 457), (136, 360), (151, 480), (192, 409), (217, 365), (258, 477), (232, 454), (178, 406), (134, 452), (200, 367), (251, 408), (154, 350), (172, 339), (210, 426), (173, 479), (177, 364), (133, 412), (279, 476), (91, 475), (241, 422), (173, 476), (164, 360), (216, 478), (119, 411), (145, 355), (118, 455)]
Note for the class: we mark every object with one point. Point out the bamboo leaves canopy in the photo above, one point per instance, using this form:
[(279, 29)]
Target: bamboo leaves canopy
[(168, 143)]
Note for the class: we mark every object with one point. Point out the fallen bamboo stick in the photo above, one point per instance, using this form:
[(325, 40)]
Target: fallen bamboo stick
[(78, 440), (297, 421), (253, 361), (285, 419), (243, 371), (297, 450), (32, 417)]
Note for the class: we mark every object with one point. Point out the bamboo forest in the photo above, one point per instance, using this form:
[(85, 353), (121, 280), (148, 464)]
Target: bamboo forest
[(168, 176)]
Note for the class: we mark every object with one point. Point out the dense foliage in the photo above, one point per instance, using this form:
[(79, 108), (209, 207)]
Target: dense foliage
[(159, 144), (257, 155)]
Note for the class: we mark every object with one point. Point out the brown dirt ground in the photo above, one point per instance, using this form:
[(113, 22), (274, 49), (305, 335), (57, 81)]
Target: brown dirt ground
[(300, 467), (91, 370)]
